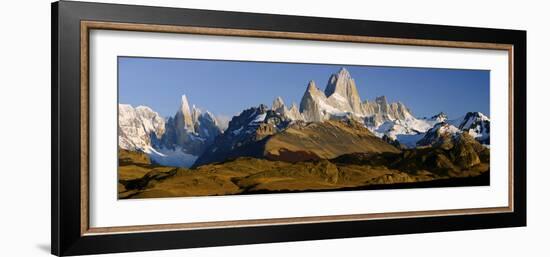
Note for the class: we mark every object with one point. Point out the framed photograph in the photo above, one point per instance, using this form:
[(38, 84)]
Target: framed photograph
[(178, 128)]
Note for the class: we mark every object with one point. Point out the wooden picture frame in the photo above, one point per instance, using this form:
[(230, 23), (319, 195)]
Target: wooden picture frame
[(71, 25)]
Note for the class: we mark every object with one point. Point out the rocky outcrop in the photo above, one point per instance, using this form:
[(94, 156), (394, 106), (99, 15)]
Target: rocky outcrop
[(466, 151)]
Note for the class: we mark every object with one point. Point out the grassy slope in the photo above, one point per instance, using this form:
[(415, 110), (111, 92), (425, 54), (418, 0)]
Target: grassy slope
[(380, 164), (325, 140), (249, 175)]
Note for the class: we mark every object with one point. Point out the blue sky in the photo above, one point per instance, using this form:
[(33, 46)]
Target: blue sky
[(227, 87)]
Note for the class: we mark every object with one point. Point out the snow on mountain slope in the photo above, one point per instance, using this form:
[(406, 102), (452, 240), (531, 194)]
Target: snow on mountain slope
[(314, 106), (410, 130), (438, 134), (406, 131), (440, 117), (136, 127), (175, 142), (341, 99), (249, 127), (172, 157), (190, 133), (476, 124)]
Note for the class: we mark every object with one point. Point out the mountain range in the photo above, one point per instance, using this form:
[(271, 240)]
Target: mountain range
[(327, 123)]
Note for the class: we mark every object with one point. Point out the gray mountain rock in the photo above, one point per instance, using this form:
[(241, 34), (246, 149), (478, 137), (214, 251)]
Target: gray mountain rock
[(177, 141), (313, 105), (476, 124), (190, 130), (342, 93), (278, 105), (243, 132), (380, 111)]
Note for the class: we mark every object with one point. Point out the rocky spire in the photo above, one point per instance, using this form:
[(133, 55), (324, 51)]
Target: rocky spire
[(311, 86), (381, 100), (207, 126), (294, 113), (343, 85), (310, 104), (195, 113), (333, 86), (278, 105), (185, 111)]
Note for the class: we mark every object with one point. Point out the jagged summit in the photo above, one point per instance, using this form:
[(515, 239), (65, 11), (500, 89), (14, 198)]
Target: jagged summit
[(278, 104), (312, 103), (176, 141), (184, 105), (344, 76), (440, 134), (249, 127), (381, 100), (440, 117), (341, 99), (192, 131), (185, 115), (292, 114), (476, 124), (311, 86), (342, 91)]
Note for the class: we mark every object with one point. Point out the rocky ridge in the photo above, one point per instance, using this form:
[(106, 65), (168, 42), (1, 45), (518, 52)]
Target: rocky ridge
[(191, 133)]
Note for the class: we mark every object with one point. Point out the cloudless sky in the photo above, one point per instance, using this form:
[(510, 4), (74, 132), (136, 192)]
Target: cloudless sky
[(228, 87)]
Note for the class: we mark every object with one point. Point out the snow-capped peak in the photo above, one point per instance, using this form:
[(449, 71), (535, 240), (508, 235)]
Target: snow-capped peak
[(440, 117), (476, 124), (137, 125), (436, 135)]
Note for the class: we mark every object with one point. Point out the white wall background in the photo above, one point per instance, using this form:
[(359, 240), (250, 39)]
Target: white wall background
[(25, 127)]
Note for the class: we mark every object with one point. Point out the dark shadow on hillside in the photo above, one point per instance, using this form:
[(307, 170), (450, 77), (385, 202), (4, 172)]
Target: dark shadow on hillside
[(481, 180)]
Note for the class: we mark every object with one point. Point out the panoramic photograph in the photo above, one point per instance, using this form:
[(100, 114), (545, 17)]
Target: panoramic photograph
[(190, 127)]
